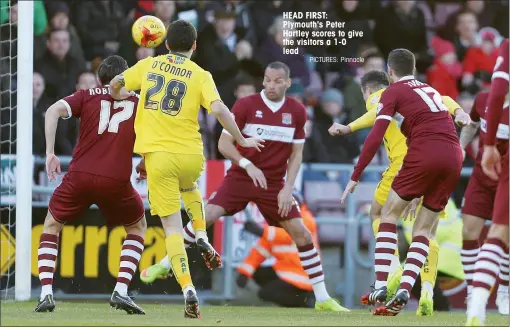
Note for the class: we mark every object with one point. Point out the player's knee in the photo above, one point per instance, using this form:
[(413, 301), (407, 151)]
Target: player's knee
[(51, 226), (302, 236), (212, 213), (138, 228), (500, 232), (469, 233)]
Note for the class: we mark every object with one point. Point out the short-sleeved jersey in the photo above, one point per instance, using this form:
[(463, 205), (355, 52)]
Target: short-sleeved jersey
[(279, 124), (106, 139), (419, 111), (499, 98), (394, 140), (172, 89)]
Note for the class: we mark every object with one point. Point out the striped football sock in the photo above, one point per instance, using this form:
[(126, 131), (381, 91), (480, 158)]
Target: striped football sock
[(468, 254), (416, 256), (46, 261), (486, 274), (385, 246), (311, 262), (132, 249)]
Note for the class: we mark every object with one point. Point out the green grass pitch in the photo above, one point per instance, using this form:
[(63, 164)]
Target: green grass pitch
[(99, 314)]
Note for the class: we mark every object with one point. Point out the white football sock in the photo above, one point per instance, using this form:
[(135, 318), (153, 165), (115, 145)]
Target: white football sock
[(320, 291), (46, 290), (165, 262)]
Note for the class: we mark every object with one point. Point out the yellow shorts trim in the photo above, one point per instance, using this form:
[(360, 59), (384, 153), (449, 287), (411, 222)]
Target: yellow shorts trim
[(168, 174)]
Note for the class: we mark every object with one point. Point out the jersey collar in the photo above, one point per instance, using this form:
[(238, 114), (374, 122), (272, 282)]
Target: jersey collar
[(272, 105), (406, 78)]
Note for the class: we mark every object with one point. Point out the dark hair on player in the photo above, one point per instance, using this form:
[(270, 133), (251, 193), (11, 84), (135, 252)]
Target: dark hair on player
[(180, 36), (243, 79), (111, 67), (280, 65), (402, 62), (375, 79)]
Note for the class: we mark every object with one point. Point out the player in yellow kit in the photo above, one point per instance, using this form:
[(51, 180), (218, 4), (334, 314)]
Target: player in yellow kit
[(373, 84), (172, 89)]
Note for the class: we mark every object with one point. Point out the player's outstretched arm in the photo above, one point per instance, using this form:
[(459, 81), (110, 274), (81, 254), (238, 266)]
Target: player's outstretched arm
[(226, 120), (228, 150), (56, 111)]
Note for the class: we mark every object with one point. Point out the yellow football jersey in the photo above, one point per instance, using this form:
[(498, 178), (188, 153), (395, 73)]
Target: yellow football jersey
[(172, 89), (394, 140)]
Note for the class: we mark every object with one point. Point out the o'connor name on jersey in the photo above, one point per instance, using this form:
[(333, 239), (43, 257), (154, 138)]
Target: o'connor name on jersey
[(169, 68)]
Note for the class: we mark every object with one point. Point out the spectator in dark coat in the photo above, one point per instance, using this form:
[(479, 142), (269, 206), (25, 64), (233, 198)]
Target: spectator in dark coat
[(265, 12), (356, 15), (485, 12), (407, 20), (332, 149), (466, 33), (221, 48), (60, 71), (58, 13), (41, 103), (58, 67), (272, 50), (244, 21), (99, 24)]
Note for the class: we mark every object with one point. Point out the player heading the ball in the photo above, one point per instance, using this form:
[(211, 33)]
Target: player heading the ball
[(172, 89)]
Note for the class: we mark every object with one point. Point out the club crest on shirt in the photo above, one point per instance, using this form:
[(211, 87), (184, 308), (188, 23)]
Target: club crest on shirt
[(258, 113), (286, 118), (379, 107)]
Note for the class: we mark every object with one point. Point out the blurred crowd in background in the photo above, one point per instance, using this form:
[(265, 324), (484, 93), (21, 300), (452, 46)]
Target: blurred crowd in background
[(455, 43)]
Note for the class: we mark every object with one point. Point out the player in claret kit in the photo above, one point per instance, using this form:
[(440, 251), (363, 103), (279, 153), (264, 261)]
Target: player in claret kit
[(373, 84), (495, 165), (99, 173), (478, 203), (430, 170), (259, 177)]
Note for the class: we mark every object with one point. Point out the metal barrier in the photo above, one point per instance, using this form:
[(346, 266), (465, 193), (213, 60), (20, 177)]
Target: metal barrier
[(353, 259)]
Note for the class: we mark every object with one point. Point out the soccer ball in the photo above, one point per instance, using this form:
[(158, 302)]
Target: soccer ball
[(148, 31)]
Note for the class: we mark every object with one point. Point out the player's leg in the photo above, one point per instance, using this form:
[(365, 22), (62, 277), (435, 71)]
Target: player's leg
[(66, 205), (489, 259), (386, 244), (477, 206), (163, 171), (46, 261), (310, 259), (267, 202), (428, 276), (231, 197), (472, 227), (191, 168), (120, 204), (380, 197)]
